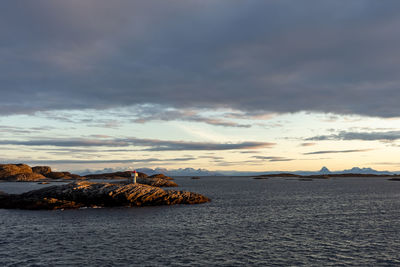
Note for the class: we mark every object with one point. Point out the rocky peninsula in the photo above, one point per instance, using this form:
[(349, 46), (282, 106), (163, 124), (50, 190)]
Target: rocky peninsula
[(82, 193), (90, 194)]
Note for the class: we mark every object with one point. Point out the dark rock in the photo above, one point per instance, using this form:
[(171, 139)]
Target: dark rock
[(89, 194), (306, 179), (55, 175), (277, 175), (75, 177)]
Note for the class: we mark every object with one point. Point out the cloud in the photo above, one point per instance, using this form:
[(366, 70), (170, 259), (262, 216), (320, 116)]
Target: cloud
[(239, 163), (364, 136), (336, 151), (270, 56), (105, 161), (152, 114), (307, 144), (12, 130), (249, 152), (149, 144), (272, 159)]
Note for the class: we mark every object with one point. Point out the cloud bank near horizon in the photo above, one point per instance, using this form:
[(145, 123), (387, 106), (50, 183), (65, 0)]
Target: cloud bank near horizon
[(150, 144), (270, 56), (362, 136)]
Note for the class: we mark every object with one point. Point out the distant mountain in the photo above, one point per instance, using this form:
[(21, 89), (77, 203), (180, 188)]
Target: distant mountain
[(205, 172), (365, 171), (324, 170), (193, 172)]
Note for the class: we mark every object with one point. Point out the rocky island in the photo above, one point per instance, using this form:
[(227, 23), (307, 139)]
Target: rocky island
[(81, 193), (91, 194), (24, 173)]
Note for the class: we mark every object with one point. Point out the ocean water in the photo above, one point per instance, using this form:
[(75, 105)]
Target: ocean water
[(274, 222)]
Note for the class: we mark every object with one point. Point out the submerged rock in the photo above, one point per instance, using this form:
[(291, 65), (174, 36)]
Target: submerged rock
[(90, 194)]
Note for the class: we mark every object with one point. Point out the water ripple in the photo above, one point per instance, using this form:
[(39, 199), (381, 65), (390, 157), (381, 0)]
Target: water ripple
[(338, 222)]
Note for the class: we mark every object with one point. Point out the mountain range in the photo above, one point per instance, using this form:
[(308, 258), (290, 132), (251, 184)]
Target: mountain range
[(205, 172)]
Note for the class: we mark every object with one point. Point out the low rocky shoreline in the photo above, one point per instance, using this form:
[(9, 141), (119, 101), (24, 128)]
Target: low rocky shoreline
[(83, 193), (90, 194)]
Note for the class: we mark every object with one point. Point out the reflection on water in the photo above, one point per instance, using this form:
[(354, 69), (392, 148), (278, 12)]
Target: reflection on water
[(249, 222)]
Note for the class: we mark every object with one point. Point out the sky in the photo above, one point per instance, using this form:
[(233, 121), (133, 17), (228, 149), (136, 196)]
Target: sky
[(222, 85)]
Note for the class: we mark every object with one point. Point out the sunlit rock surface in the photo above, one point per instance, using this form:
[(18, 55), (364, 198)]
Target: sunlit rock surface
[(24, 173), (159, 182), (90, 194)]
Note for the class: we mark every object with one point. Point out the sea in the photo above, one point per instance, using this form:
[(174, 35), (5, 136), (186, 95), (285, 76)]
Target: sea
[(249, 222)]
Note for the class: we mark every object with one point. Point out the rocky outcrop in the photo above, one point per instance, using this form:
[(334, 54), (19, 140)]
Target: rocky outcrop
[(24, 173), (159, 182), (10, 170), (64, 176), (56, 175), (27, 177), (114, 175), (90, 194), (43, 170), (161, 176)]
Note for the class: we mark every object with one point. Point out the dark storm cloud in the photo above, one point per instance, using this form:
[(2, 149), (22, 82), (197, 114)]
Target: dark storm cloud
[(336, 151), (149, 144), (364, 136), (272, 56)]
